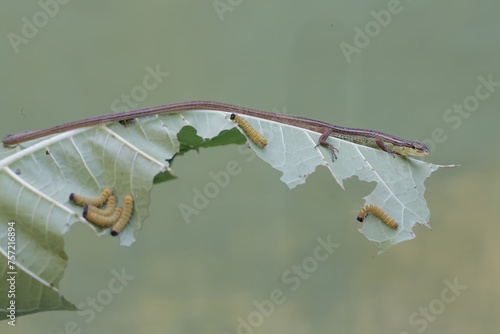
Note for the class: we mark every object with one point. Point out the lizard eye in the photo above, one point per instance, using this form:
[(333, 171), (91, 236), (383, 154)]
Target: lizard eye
[(413, 147)]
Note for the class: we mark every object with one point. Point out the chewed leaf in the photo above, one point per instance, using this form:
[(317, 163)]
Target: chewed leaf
[(37, 177), (400, 181)]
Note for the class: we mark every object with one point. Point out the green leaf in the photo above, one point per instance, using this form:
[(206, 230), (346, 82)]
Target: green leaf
[(37, 177)]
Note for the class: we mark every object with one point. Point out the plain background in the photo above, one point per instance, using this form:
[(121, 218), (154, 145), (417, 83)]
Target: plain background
[(281, 56)]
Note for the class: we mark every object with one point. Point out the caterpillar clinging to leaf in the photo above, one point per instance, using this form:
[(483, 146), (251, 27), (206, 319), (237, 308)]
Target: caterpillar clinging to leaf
[(255, 136), (125, 216), (95, 201), (380, 213)]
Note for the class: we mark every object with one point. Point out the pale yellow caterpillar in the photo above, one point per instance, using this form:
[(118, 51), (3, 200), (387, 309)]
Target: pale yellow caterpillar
[(125, 216), (102, 221), (256, 137), (380, 213), (95, 201), (110, 207)]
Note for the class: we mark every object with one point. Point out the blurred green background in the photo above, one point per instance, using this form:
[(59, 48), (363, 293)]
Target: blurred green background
[(277, 56)]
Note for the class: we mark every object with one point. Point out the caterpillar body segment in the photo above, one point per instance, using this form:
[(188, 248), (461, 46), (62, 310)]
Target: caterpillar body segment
[(380, 213), (107, 211), (124, 217), (95, 201), (100, 220), (254, 136)]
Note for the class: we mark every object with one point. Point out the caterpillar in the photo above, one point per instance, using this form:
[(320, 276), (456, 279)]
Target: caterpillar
[(110, 207), (124, 217), (102, 221), (256, 137), (380, 213), (95, 201)]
